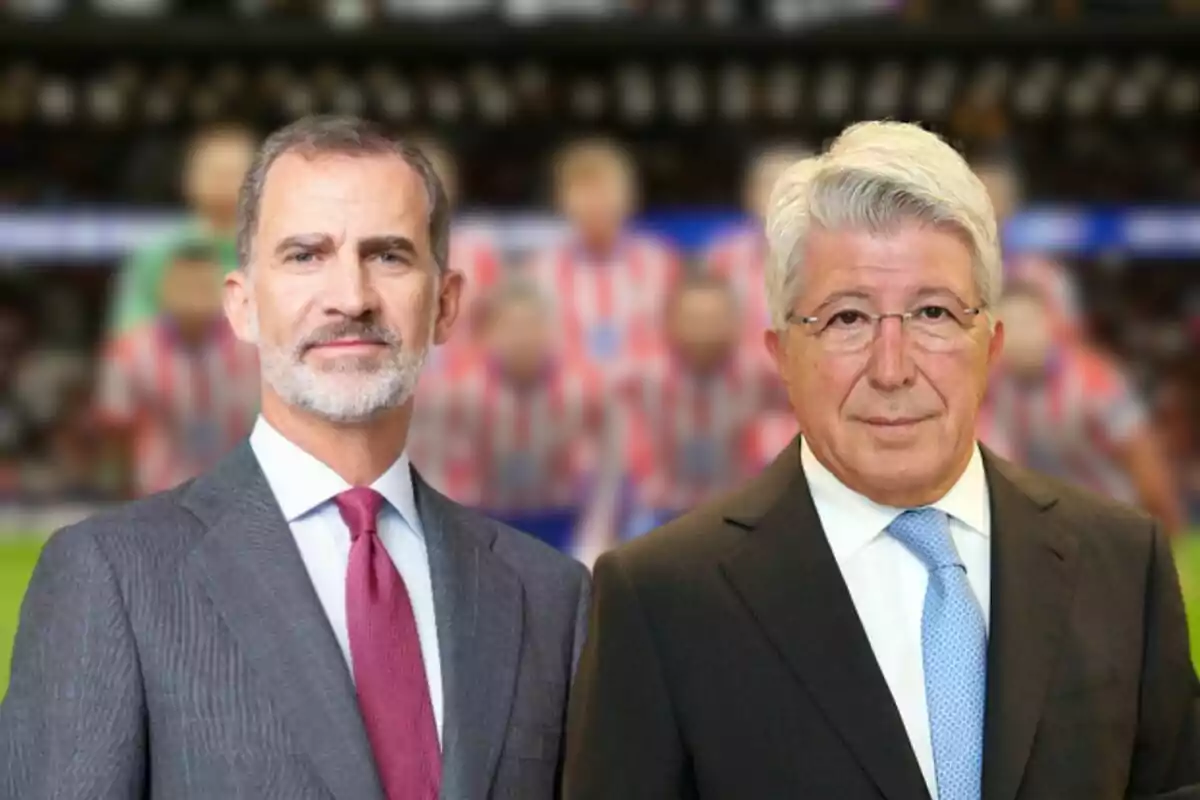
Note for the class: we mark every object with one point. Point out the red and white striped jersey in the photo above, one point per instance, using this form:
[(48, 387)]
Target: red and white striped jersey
[(769, 435), (489, 443), (1070, 425), (608, 308), (740, 257), (475, 255), (693, 435), (185, 407)]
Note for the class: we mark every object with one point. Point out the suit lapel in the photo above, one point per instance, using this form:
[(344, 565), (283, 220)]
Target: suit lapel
[(478, 601), (786, 574), (251, 570), (1034, 565)]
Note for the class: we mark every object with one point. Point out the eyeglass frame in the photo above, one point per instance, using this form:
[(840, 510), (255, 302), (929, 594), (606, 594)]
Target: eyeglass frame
[(876, 320)]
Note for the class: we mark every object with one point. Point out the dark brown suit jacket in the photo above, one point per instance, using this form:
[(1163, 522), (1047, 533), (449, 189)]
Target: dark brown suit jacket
[(726, 659)]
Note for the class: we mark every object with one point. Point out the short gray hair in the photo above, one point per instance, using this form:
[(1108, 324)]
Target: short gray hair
[(874, 176), (331, 135)]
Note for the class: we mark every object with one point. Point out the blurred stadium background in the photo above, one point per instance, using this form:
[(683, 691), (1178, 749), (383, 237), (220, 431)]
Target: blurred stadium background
[(123, 125)]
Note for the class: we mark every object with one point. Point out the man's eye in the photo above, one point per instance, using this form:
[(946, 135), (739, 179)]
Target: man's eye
[(846, 319), (300, 257), (935, 314)]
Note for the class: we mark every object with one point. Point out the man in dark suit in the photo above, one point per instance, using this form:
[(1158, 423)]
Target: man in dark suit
[(888, 611), (309, 619)]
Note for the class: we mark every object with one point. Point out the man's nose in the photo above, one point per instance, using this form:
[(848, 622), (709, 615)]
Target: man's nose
[(891, 366), (350, 290)]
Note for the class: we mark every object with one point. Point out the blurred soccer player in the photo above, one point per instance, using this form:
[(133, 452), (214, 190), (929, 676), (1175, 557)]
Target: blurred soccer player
[(694, 401), (608, 283), (180, 390), (740, 255), (1001, 176), (525, 431), (215, 162), (1057, 407), (1178, 413), (1062, 404), (472, 253)]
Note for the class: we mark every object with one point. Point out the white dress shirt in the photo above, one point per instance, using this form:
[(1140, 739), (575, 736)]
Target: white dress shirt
[(887, 582), (304, 488)]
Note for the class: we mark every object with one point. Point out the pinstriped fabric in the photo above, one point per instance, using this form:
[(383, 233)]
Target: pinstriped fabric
[(39, 752), (174, 649)]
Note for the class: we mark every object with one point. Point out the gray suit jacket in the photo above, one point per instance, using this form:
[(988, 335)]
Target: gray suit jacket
[(175, 648)]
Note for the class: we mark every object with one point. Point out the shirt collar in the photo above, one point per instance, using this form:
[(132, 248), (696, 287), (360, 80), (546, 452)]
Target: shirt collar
[(852, 521), (302, 483)]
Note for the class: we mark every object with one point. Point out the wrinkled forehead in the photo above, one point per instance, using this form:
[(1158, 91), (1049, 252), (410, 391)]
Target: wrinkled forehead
[(907, 262), (344, 196)]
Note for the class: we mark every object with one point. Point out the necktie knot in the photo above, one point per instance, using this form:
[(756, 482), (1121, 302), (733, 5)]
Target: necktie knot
[(360, 508), (926, 534)]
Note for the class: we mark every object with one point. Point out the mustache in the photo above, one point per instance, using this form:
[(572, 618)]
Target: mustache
[(367, 331)]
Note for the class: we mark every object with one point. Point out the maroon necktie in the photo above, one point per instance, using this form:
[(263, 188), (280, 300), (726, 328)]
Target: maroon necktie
[(389, 672)]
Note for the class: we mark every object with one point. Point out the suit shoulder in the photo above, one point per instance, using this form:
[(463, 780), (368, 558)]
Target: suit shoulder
[(692, 544), (1114, 531), (527, 555), (152, 527), (697, 539), (1107, 518)]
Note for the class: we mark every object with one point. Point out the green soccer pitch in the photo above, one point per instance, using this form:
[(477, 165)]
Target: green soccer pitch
[(19, 554)]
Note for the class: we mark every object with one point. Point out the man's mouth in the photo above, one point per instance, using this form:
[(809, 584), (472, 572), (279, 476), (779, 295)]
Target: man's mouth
[(892, 422), (349, 344)]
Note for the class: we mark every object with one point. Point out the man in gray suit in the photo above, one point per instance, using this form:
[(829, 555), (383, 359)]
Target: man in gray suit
[(310, 619)]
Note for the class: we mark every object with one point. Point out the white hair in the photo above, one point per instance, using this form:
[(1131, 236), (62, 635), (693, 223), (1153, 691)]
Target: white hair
[(874, 176)]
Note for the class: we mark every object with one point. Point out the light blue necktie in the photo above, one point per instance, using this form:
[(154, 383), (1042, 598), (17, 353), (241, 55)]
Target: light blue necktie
[(954, 644)]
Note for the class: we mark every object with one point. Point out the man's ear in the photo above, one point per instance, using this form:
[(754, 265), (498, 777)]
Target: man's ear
[(448, 300), (996, 345), (776, 344), (238, 299)]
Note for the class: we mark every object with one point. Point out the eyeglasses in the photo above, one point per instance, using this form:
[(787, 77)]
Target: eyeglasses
[(935, 328)]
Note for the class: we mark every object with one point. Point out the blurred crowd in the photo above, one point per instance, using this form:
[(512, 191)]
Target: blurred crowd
[(594, 387), (784, 12), (358, 11)]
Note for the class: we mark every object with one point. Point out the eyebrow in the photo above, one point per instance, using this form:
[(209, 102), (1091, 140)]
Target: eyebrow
[(374, 245), (307, 241), (923, 293), (938, 292), (369, 246)]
